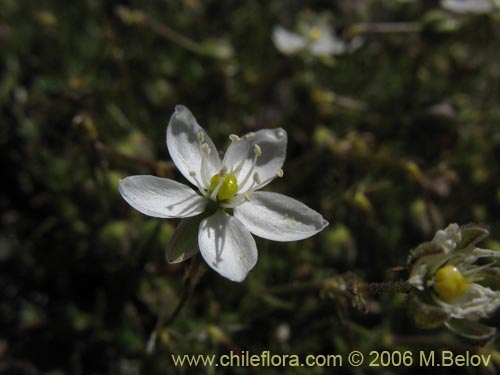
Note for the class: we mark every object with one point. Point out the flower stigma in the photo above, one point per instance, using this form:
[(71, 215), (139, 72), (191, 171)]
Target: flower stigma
[(449, 283)]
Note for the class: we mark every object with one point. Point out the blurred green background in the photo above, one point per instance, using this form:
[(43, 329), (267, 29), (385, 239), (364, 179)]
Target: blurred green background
[(390, 141)]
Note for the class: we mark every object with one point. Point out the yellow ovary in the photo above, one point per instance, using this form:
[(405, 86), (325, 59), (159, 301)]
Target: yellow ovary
[(449, 283), (228, 188)]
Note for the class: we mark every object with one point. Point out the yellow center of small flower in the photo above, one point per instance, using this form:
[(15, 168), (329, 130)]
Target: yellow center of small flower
[(314, 34), (449, 283), (228, 187)]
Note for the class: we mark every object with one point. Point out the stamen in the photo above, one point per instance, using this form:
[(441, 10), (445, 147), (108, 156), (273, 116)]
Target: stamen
[(200, 186), (279, 173), (257, 150), (203, 167), (206, 148), (201, 137), (234, 138), (249, 136), (237, 201), (262, 183), (248, 197), (256, 178)]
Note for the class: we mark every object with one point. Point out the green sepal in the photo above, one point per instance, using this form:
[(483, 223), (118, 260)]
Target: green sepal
[(184, 242), (425, 315), (425, 249), (471, 330), (472, 234)]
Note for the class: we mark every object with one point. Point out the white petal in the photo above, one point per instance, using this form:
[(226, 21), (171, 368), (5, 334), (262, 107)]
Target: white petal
[(185, 147), (448, 238), (272, 143), (286, 41), (279, 218), (184, 243), (468, 6), (478, 302), (161, 197), (227, 246), (328, 43)]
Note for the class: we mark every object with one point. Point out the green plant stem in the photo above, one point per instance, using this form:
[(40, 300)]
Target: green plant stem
[(164, 320), (105, 149), (400, 286), (173, 36)]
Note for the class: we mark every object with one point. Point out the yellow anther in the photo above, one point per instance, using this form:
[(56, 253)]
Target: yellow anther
[(449, 283), (234, 138), (228, 187)]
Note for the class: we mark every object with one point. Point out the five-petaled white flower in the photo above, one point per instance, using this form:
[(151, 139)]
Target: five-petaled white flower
[(316, 37), (318, 40), (219, 218)]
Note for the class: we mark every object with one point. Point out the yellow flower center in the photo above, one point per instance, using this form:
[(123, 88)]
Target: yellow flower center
[(228, 187), (314, 34), (449, 283)]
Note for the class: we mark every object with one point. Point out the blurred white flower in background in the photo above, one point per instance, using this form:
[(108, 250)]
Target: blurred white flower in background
[(317, 38), (471, 6)]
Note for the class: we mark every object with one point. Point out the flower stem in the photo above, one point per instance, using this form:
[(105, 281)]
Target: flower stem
[(161, 167), (191, 280), (400, 286), (105, 149), (173, 36)]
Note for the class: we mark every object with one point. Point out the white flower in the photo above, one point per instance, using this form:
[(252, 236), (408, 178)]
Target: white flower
[(319, 40), (219, 218), (470, 6)]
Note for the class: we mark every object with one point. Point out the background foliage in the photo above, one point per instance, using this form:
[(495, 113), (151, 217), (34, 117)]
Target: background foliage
[(389, 142)]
